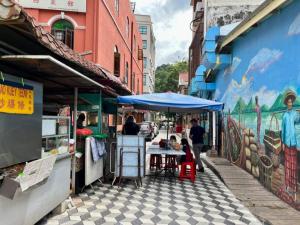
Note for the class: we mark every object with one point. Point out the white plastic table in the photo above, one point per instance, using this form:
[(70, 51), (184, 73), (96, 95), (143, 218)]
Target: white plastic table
[(156, 150)]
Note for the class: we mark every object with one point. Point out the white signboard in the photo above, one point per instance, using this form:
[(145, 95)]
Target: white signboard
[(63, 5), (36, 171)]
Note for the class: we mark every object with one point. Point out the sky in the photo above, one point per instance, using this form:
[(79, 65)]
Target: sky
[(171, 20)]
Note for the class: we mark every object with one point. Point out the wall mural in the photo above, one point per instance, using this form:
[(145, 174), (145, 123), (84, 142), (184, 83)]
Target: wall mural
[(261, 92)]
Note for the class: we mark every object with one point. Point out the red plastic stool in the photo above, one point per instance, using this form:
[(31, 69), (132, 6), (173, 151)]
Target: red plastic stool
[(188, 171), (155, 161)]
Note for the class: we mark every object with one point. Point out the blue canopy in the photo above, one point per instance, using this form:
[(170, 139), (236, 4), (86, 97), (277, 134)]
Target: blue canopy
[(172, 102)]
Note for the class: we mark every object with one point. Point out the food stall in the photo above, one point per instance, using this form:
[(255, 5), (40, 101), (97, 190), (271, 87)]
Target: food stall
[(39, 76), (27, 137), (88, 168)]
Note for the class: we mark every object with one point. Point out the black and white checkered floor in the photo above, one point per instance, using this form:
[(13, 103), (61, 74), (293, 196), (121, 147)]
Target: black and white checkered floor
[(207, 201)]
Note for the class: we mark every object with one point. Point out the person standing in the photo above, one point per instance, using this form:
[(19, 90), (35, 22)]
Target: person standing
[(289, 140), (196, 135), (80, 120), (130, 127)]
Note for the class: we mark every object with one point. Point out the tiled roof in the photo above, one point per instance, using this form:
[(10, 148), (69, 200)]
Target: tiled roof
[(9, 10)]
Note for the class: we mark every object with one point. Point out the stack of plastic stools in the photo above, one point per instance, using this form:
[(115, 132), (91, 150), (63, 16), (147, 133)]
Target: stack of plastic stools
[(155, 161), (188, 171)]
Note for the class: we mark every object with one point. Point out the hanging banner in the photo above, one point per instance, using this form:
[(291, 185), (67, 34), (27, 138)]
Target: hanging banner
[(16, 98)]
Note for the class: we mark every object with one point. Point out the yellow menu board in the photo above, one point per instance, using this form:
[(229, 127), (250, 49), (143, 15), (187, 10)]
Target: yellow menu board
[(16, 98)]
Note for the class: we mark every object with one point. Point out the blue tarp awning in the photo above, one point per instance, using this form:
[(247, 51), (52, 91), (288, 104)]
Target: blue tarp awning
[(171, 102)]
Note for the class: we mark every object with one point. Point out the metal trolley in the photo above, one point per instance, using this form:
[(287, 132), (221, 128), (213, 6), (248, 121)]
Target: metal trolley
[(130, 158)]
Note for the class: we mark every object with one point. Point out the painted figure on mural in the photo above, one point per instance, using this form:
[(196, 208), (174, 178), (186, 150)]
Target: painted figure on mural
[(258, 113), (289, 140)]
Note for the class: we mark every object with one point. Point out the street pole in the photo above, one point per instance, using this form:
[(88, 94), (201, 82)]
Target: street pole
[(74, 137)]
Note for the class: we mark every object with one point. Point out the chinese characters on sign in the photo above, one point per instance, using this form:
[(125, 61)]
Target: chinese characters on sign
[(15, 99), (64, 5)]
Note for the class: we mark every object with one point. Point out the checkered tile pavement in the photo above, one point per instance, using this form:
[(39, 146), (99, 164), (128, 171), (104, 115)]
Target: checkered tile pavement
[(207, 201)]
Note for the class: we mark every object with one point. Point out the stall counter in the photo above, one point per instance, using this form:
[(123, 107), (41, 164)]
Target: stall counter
[(29, 207)]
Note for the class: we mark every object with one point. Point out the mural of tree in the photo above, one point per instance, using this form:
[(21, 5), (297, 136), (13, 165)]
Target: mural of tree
[(240, 106), (278, 104), (265, 108), (250, 108)]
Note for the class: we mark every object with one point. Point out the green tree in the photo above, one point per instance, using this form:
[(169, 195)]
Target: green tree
[(166, 76)]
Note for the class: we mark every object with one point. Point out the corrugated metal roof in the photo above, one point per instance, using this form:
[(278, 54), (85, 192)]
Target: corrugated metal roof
[(9, 10)]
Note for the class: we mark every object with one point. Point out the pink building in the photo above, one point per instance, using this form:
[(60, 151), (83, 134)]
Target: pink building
[(103, 31)]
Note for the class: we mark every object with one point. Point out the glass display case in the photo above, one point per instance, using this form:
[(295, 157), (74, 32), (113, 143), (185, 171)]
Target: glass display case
[(55, 135)]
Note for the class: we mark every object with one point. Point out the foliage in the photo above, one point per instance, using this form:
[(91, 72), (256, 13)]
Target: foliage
[(166, 76), (239, 107)]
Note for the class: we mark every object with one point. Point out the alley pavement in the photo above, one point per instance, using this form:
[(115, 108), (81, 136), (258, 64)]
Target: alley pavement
[(207, 201)]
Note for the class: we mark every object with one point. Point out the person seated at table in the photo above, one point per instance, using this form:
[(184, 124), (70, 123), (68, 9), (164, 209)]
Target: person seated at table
[(173, 140), (170, 160), (188, 157), (174, 144)]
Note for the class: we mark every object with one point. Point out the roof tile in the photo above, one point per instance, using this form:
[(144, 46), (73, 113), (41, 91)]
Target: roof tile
[(9, 10)]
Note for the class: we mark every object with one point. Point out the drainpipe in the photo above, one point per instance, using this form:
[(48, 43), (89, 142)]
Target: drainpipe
[(96, 26), (131, 57)]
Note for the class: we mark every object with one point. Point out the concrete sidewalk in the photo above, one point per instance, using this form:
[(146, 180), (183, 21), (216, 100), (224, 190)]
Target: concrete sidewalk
[(262, 203)]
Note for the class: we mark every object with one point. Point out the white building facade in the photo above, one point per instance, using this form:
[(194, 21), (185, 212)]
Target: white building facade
[(146, 29), (223, 12)]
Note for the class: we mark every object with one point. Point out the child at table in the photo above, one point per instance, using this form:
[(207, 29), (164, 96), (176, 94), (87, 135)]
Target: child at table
[(173, 143), (188, 157), (170, 160), (173, 140)]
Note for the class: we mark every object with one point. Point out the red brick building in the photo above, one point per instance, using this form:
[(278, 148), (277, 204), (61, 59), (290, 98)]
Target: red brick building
[(103, 31)]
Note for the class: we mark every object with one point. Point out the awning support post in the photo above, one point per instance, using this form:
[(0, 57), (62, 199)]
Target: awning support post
[(100, 113), (74, 137), (168, 124), (213, 151)]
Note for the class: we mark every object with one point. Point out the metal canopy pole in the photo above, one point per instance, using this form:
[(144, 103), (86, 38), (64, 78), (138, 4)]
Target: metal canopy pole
[(168, 125), (74, 137), (100, 122)]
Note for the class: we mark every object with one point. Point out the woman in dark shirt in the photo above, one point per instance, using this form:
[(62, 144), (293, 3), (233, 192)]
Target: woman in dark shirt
[(130, 127)]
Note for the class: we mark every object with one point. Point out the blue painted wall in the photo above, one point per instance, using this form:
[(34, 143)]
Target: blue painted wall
[(266, 63)]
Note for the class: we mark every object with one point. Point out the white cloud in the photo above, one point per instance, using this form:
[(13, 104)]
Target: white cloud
[(235, 63), (265, 96), (171, 22), (263, 60), (244, 89), (295, 26), (236, 90)]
